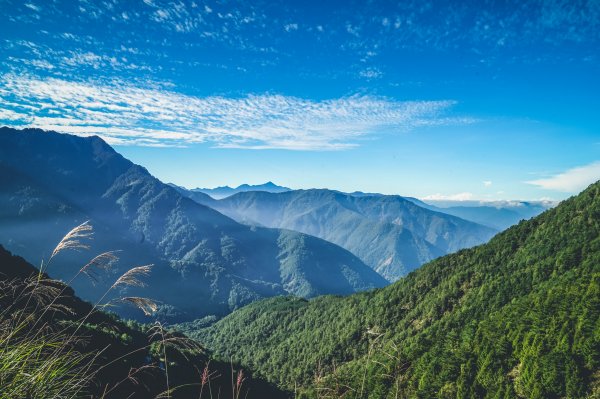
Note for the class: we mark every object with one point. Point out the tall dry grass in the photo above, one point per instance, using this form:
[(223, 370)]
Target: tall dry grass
[(39, 356)]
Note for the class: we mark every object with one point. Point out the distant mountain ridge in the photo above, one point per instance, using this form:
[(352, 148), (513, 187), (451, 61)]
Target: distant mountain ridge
[(205, 263), (388, 233), (226, 191), (496, 214)]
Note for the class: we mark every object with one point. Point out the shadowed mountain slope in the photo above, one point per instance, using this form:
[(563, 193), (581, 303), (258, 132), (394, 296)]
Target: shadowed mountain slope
[(34, 309), (205, 263)]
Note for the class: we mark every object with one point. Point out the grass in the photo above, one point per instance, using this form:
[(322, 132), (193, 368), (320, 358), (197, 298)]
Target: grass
[(42, 346), (37, 360)]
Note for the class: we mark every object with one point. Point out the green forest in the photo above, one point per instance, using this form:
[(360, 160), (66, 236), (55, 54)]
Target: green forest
[(516, 317)]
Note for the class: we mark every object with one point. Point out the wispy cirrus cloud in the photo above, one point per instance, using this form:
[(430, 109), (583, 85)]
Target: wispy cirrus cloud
[(370, 73), (572, 180), (175, 37), (32, 7), (127, 114)]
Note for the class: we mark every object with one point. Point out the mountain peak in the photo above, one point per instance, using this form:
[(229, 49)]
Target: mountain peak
[(50, 182), (227, 191)]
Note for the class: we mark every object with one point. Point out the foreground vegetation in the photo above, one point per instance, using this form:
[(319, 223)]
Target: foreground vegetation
[(517, 317), (53, 345)]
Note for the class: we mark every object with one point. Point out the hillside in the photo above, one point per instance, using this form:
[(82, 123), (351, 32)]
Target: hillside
[(54, 345), (388, 233), (516, 317), (205, 263)]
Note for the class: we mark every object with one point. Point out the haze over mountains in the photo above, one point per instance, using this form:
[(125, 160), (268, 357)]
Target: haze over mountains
[(205, 263), (388, 233), (498, 214), (226, 191), (254, 199), (252, 245), (517, 317)]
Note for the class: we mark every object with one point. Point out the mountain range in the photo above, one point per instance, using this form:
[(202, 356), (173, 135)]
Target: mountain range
[(390, 234), (247, 276), (204, 262), (499, 215), (212, 256), (226, 191), (517, 317)]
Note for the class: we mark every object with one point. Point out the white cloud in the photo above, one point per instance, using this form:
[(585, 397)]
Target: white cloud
[(78, 59), (572, 180), (371, 73), (136, 115), (9, 115), (487, 183), (290, 27), (88, 59), (353, 30), (177, 16), (32, 7), (452, 197)]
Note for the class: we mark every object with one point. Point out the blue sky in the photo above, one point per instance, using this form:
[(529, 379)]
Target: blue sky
[(434, 99)]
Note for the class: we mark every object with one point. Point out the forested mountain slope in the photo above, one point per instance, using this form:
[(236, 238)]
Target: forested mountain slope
[(516, 317)]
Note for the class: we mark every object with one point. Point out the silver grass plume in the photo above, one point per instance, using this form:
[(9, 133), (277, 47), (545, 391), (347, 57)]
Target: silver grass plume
[(144, 304), (102, 262), (132, 277), (73, 239)]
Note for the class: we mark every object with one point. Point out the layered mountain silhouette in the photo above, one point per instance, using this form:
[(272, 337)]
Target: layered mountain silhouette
[(517, 317), (226, 191), (499, 215), (390, 234), (204, 262)]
